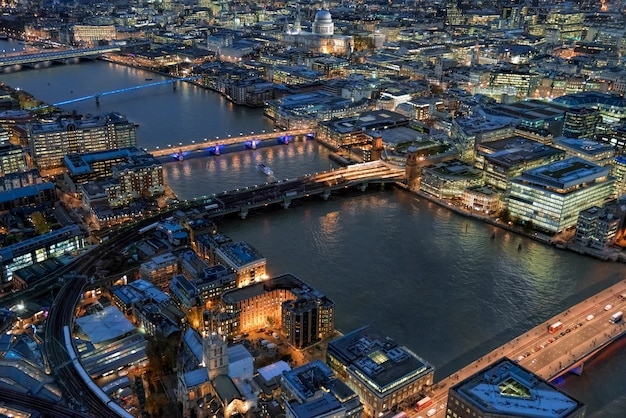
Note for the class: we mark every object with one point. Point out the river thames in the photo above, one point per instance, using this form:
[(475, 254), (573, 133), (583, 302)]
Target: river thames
[(431, 279)]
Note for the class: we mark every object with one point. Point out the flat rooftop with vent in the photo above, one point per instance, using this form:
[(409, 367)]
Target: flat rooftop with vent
[(371, 363), (505, 389)]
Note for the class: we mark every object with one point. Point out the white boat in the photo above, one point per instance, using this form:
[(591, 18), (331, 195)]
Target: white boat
[(265, 169)]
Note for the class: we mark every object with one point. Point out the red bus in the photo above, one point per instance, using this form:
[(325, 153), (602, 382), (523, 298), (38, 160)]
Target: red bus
[(423, 403), (555, 327)]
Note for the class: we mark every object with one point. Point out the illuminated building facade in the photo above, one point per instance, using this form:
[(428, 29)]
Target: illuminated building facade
[(66, 240), (580, 122), (448, 179), (506, 389), (139, 176), (598, 228), (98, 165), (254, 304), (351, 131), (381, 372), (50, 141), (322, 39), (484, 199), (12, 159), (551, 196), (91, 34), (505, 159), (160, 269), (245, 261)]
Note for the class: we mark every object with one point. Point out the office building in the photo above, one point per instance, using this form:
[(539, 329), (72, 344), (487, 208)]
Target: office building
[(160, 269), (91, 34), (482, 199), (352, 131), (506, 389), (618, 170), (85, 167), (580, 122), (550, 197), (615, 137), (381, 372), (588, 149), (448, 179), (49, 142), (521, 83), (12, 159), (67, 240), (308, 319), (612, 107), (25, 191), (313, 390), (240, 257), (505, 159), (533, 114), (468, 132)]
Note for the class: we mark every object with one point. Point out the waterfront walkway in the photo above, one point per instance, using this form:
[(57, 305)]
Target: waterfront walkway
[(586, 330)]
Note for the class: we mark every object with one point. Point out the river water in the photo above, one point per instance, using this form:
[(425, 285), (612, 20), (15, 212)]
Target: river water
[(431, 279)]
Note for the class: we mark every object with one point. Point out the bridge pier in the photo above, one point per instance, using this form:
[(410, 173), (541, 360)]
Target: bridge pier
[(243, 213), (97, 100), (363, 186), (326, 194), (286, 203)]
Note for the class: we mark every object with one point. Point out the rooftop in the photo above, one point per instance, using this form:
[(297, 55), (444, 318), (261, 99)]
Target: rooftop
[(516, 150), (564, 174), (507, 389), (377, 360)]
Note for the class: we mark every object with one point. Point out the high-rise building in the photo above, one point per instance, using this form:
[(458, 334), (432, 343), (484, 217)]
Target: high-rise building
[(379, 370), (49, 142), (551, 196), (506, 389), (580, 122)]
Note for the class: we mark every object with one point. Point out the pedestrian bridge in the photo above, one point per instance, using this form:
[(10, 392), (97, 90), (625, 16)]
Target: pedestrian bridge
[(63, 56)]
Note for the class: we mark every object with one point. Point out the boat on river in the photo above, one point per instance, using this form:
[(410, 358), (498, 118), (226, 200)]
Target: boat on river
[(265, 169)]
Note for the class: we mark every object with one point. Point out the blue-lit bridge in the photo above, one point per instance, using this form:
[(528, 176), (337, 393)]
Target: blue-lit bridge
[(217, 146), (97, 96), (63, 56)]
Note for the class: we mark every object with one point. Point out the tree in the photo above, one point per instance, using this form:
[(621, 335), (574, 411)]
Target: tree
[(40, 223), (155, 404), (161, 354), (505, 215)]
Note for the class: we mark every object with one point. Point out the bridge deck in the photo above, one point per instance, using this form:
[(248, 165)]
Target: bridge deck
[(31, 58), (552, 355), (239, 139)]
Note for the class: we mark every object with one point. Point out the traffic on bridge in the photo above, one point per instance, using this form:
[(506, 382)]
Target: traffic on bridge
[(553, 348)]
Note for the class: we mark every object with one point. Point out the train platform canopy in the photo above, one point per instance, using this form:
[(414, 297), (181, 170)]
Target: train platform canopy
[(108, 324)]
